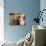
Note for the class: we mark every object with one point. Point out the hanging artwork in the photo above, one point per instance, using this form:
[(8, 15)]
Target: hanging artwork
[(16, 19)]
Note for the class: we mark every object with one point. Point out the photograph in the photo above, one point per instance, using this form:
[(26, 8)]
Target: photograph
[(24, 23), (17, 19)]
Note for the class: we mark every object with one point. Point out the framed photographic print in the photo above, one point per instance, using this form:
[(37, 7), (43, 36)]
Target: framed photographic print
[(17, 19)]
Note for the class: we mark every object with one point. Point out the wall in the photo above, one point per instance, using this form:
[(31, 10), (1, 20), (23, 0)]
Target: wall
[(29, 7), (43, 6)]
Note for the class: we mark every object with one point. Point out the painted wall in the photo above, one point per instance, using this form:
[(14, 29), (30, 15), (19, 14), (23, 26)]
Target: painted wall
[(29, 7), (43, 6)]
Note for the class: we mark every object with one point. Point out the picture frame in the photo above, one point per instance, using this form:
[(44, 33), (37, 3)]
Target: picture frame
[(17, 19)]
